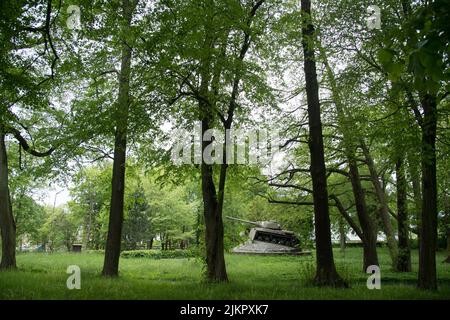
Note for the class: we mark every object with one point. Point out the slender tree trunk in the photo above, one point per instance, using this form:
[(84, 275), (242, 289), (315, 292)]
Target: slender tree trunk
[(346, 216), (342, 235), (367, 225), (215, 258), (404, 253), (447, 223), (88, 220), (198, 228), (447, 260), (326, 273), (212, 212), (212, 200), (368, 236), (417, 193), (428, 226), (112, 251), (7, 224), (383, 206)]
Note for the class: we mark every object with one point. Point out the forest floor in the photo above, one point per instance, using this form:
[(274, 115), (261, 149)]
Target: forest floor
[(43, 276)]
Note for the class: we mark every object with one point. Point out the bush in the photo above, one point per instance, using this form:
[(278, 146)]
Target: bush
[(159, 254), (93, 251)]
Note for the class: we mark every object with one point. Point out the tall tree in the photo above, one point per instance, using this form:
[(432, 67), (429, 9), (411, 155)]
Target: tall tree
[(404, 254), (210, 42), (23, 82), (447, 223), (346, 125), (326, 273), (213, 200), (7, 224), (112, 250), (416, 57), (383, 209)]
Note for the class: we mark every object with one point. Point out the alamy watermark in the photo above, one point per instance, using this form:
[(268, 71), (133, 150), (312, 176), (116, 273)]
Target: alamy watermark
[(374, 280), (74, 280), (373, 21), (234, 146), (74, 20)]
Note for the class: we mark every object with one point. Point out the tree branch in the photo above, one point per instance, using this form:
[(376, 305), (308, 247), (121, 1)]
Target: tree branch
[(25, 145)]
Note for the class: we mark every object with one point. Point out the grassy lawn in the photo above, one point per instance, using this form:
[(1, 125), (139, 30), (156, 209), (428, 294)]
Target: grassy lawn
[(43, 276)]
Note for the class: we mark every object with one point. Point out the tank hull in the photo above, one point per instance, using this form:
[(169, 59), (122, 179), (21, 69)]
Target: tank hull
[(269, 238), (279, 237)]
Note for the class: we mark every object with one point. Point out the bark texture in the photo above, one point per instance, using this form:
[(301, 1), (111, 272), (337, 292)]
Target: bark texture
[(7, 224), (112, 250), (326, 273), (368, 235), (404, 253), (383, 209), (428, 220)]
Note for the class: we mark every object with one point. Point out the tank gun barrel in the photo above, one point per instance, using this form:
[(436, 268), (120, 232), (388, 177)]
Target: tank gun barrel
[(244, 221)]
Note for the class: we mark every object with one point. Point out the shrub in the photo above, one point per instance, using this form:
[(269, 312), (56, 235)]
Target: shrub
[(93, 251), (159, 254)]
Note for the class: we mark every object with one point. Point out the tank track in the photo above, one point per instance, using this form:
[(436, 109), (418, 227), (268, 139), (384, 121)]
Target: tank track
[(289, 241)]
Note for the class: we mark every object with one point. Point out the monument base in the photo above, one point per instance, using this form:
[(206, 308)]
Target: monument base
[(266, 248)]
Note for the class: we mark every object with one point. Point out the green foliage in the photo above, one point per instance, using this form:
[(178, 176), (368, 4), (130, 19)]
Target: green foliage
[(60, 230), (90, 205), (137, 227), (418, 46), (29, 217), (69, 103)]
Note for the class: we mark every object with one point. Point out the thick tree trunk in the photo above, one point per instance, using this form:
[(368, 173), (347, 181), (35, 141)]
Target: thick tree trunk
[(215, 259), (404, 253), (7, 224), (326, 273), (383, 206), (428, 224), (112, 250)]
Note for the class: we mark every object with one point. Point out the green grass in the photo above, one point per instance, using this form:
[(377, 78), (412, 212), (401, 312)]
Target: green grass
[(43, 276)]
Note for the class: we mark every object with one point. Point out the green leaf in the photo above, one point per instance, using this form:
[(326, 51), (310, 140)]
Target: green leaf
[(385, 56), (427, 59)]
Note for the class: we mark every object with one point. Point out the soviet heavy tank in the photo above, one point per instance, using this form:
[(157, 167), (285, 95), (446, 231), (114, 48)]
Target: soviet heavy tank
[(268, 237)]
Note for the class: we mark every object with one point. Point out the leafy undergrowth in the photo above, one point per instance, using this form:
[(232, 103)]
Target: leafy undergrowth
[(43, 276)]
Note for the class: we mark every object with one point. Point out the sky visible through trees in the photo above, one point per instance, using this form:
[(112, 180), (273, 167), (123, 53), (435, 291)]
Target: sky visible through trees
[(133, 127)]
